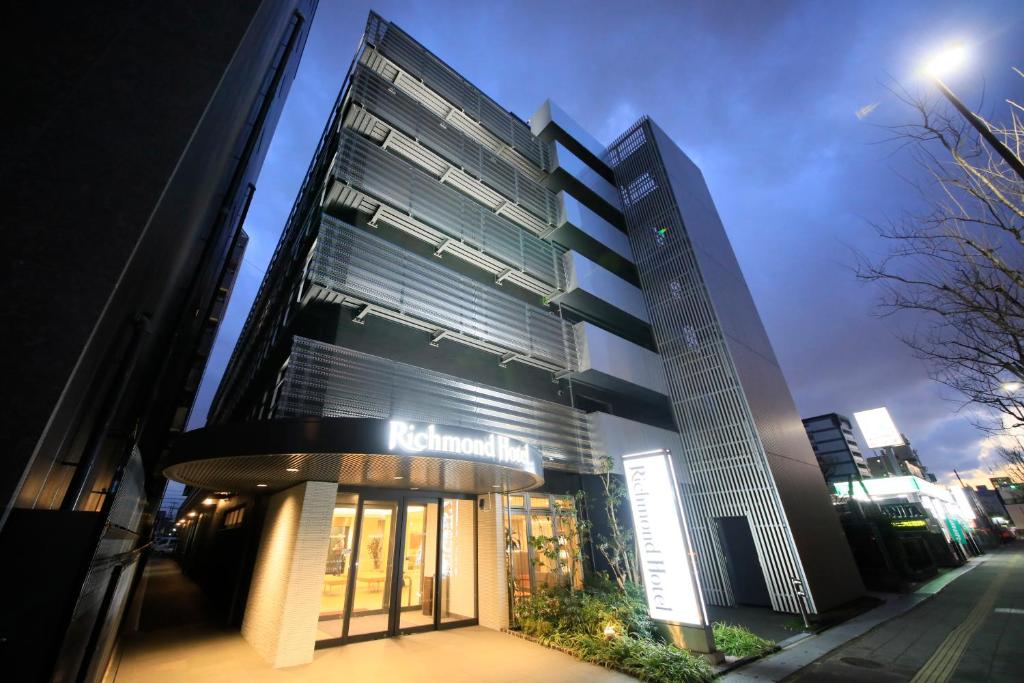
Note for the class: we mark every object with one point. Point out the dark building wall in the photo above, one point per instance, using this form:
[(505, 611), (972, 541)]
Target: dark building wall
[(131, 150)]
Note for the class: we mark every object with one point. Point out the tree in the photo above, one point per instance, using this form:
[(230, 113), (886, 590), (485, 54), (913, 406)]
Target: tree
[(1013, 460), (957, 269), (618, 546)]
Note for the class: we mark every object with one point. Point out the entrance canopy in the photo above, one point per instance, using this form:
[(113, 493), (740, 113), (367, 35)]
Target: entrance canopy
[(275, 454)]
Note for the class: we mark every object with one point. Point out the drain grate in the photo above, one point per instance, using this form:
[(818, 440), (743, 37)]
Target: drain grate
[(861, 662)]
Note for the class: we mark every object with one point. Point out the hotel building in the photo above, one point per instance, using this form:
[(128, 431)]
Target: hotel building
[(467, 317)]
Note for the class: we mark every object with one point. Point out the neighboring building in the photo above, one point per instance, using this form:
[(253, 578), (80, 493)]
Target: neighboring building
[(464, 307), (898, 461), (1012, 495), (835, 447), (133, 137)]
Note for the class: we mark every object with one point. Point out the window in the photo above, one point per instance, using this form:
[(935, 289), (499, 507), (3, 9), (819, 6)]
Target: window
[(630, 144), (233, 518), (543, 539), (638, 188)]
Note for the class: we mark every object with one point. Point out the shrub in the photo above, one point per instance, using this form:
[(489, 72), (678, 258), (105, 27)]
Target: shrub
[(576, 621), (740, 642)]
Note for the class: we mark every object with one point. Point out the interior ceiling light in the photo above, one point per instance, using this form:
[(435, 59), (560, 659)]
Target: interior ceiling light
[(261, 486), (292, 469)]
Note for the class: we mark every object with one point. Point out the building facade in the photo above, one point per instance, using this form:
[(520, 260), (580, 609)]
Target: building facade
[(836, 448), (466, 319), (132, 145), (898, 461)]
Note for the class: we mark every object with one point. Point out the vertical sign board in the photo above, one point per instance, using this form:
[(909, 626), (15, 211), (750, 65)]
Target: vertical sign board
[(670, 581)]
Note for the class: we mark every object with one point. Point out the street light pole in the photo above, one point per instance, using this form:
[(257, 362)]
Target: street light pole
[(1005, 152)]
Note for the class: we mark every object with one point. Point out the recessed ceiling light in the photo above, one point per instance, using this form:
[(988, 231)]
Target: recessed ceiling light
[(261, 486), (495, 486), (292, 469), (398, 477)]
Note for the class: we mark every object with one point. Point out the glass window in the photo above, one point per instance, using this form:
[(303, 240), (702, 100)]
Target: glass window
[(517, 501), (336, 572), (544, 545), (544, 548), (519, 554)]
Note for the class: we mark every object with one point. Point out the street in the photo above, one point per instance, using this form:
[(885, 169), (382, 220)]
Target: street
[(971, 631)]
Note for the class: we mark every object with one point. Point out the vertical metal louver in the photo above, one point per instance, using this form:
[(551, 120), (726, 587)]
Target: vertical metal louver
[(726, 472), (323, 380)]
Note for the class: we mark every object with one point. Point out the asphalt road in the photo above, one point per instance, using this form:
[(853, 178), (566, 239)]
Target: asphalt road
[(971, 631)]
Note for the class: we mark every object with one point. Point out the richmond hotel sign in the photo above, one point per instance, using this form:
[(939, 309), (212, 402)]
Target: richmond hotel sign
[(410, 437), (662, 543)]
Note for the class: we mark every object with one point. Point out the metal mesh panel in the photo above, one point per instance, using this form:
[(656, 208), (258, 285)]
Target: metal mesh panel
[(368, 168), (726, 472), (430, 130), (396, 45), (353, 262), (323, 380)]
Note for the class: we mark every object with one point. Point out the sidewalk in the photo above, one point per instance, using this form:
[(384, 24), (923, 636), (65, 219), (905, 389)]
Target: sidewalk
[(808, 650)]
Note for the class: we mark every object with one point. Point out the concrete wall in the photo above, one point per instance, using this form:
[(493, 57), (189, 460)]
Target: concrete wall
[(284, 595)]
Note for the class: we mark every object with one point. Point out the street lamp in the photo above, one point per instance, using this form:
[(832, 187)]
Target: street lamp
[(946, 61)]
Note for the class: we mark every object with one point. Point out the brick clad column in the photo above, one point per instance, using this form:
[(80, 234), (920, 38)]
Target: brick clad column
[(284, 596), (492, 579)]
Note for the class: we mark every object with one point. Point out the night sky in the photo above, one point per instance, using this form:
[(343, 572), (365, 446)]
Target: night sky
[(763, 96)]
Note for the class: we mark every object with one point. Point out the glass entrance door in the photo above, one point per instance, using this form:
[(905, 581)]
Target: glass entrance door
[(419, 567), (370, 612), (398, 563)]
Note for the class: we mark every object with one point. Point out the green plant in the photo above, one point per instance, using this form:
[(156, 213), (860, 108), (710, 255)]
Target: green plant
[(609, 626), (738, 641), (376, 547)]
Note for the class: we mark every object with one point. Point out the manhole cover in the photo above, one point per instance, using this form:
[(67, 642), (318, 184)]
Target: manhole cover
[(863, 663)]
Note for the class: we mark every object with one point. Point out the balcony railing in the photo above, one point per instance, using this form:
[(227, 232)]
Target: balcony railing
[(387, 179), (400, 110), (397, 46), (355, 268)]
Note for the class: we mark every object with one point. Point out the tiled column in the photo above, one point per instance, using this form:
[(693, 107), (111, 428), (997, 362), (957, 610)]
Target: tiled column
[(492, 578), (284, 596)]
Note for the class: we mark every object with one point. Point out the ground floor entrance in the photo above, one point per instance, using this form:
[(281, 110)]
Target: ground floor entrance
[(398, 562)]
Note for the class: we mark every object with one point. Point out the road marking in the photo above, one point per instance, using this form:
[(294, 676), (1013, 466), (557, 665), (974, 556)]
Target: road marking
[(1009, 610), (940, 667)]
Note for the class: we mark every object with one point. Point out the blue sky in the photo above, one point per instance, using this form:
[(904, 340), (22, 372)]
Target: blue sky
[(762, 96)]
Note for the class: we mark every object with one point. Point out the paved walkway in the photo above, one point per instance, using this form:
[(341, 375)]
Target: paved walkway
[(189, 651), (964, 626)]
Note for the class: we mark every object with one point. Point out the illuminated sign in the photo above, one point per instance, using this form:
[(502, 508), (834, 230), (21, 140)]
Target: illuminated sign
[(908, 523), (409, 437), (669, 574), (878, 428)]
